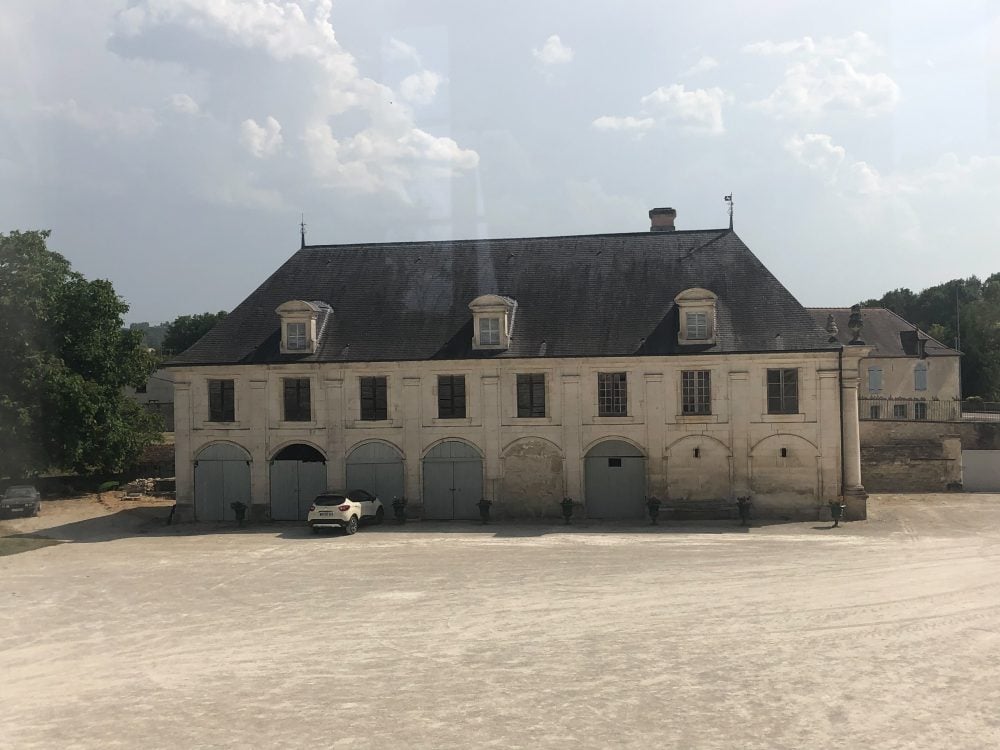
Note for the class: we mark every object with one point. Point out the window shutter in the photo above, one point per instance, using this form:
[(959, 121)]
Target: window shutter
[(920, 377), (523, 395), (381, 399), (215, 400), (538, 395), (874, 379)]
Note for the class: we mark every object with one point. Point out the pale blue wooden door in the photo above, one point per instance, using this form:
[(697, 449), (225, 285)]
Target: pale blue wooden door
[(615, 481), (376, 468), (221, 477), (453, 481), (284, 490)]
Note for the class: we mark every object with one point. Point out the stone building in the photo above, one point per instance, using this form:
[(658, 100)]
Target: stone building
[(606, 368)]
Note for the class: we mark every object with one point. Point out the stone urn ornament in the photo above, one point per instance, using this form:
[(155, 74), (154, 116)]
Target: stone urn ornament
[(856, 323), (567, 508), (484, 510), (653, 508), (399, 509)]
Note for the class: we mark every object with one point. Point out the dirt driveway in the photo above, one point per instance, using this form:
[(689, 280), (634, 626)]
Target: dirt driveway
[(882, 634)]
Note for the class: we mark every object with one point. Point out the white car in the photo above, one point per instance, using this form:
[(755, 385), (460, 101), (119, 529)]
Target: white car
[(345, 510)]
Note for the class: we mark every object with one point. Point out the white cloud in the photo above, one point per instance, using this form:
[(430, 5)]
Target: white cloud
[(328, 109), (420, 88), (703, 65), (261, 140), (398, 50), (132, 122), (629, 123), (826, 76), (697, 111), (553, 52), (184, 104)]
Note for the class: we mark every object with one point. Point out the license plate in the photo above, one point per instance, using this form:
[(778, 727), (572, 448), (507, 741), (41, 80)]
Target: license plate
[(325, 513)]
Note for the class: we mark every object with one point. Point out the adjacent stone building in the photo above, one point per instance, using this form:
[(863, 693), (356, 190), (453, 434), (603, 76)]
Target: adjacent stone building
[(606, 368)]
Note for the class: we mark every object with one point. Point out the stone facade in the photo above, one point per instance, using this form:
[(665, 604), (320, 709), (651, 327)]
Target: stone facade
[(790, 463)]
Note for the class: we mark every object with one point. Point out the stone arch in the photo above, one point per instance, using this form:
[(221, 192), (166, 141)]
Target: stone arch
[(614, 479), (297, 474), (221, 477), (612, 439), (699, 467), (532, 482), (785, 476), (376, 466), (433, 449)]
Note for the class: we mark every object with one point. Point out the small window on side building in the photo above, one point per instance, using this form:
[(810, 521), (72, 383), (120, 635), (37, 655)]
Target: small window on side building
[(612, 394), (920, 410), (531, 395), (451, 397), (298, 407), (374, 399), (899, 411), (783, 391), (221, 401), (920, 377), (874, 379)]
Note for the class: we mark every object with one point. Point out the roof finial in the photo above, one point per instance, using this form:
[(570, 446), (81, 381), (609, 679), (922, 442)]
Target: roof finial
[(302, 231), (729, 199)]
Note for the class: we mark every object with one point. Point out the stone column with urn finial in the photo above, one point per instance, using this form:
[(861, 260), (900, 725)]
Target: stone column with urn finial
[(853, 491)]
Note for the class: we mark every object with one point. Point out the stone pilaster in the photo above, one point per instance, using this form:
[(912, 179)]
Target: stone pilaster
[(739, 431), (411, 438), (571, 423), (257, 444), (491, 434), (183, 459), (333, 385), (656, 475)]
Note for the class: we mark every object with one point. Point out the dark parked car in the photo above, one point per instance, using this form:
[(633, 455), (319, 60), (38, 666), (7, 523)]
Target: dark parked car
[(21, 498)]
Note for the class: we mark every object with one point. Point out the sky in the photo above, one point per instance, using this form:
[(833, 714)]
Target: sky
[(173, 145)]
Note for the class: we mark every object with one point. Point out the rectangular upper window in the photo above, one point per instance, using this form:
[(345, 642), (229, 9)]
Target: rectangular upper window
[(899, 411), (295, 336), (783, 391), (489, 331), (920, 377), (451, 396), (696, 392), (612, 394), (374, 401), (531, 395), (697, 325), (221, 401), (874, 379), (875, 411), (297, 401), (920, 410)]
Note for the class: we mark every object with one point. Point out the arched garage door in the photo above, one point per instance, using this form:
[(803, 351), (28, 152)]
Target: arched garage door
[(221, 477), (615, 477), (378, 469), (298, 474), (453, 481)]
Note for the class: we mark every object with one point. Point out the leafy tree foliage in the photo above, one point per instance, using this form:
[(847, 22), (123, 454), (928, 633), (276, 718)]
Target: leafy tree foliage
[(66, 360), (184, 331), (936, 310)]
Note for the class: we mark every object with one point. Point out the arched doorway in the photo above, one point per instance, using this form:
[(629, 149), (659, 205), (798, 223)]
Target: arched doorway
[(784, 477), (698, 469), (378, 469), (615, 480), (532, 483), (453, 481), (221, 477), (298, 474)]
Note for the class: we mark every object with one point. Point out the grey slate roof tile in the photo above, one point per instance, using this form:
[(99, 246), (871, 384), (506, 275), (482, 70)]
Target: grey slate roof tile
[(577, 296)]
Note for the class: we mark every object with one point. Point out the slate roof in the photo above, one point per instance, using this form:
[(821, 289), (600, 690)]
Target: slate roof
[(891, 335), (577, 296)]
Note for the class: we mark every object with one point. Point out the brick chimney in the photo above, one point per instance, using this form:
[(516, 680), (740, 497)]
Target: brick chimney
[(662, 219)]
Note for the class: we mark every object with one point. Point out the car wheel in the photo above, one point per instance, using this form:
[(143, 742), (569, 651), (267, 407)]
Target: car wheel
[(352, 526), (380, 515)]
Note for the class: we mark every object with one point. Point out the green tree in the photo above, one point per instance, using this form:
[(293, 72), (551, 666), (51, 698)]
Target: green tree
[(184, 331), (66, 360)]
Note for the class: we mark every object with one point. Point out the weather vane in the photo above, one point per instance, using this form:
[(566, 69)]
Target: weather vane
[(729, 200)]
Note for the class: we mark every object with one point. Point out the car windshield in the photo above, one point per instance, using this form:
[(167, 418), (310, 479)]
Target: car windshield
[(20, 492), (330, 499)]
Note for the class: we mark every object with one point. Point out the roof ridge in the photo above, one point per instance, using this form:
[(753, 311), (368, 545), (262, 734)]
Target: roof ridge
[(647, 233)]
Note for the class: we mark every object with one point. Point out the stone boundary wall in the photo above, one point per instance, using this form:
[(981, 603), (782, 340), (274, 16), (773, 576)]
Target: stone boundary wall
[(908, 456)]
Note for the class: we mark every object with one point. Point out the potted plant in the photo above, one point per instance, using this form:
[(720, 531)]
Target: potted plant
[(399, 509), (240, 509), (837, 509), (653, 506), (484, 509), (567, 508)]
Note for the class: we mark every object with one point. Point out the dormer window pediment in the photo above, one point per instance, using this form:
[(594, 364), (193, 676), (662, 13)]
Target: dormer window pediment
[(493, 321), (697, 318), (302, 325)]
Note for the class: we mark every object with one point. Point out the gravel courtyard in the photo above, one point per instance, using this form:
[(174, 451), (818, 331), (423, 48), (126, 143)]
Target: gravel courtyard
[(882, 634)]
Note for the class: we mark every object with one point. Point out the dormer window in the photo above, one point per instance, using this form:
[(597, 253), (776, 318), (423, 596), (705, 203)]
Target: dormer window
[(302, 325), (697, 316), (493, 321), (489, 331)]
